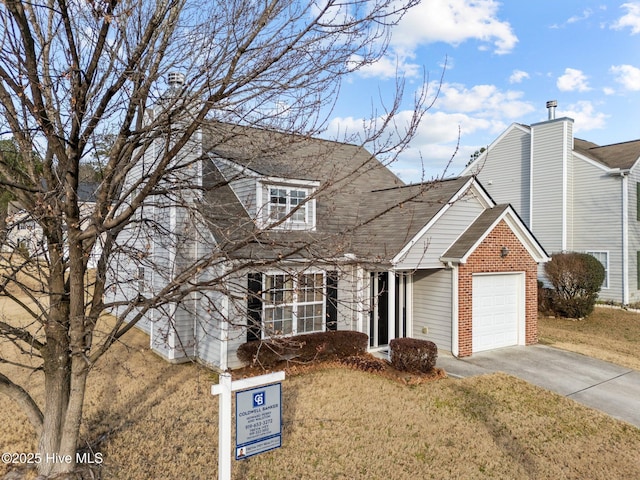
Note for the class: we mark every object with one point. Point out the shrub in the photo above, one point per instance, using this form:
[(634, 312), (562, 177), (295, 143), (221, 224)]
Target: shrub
[(413, 355), (576, 279), (545, 297), (304, 348)]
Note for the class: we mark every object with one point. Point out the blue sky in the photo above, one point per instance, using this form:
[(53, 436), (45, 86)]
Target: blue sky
[(504, 61)]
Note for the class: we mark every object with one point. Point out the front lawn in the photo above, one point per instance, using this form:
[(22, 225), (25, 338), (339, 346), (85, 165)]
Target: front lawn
[(609, 334), (151, 419)]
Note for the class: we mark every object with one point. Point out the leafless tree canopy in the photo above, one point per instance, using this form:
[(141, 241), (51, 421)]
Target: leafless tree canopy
[(87, 81)]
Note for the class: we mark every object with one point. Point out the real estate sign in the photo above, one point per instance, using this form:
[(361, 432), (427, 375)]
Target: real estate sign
[(258, 420)]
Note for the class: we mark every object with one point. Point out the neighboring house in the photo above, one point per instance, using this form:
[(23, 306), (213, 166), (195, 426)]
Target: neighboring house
[(318, 235), (24, 234), (574, 195)]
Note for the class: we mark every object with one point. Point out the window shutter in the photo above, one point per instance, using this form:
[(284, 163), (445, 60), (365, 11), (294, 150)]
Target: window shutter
[(254, 306), (638, 201), (332, 300)]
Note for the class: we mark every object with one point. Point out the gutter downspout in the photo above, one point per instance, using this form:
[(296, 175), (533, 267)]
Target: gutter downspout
[(625, 237), (565, 184), (455, 349)]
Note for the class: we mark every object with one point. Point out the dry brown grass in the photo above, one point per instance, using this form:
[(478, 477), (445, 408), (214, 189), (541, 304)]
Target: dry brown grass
[(609, 334), (154, 420)]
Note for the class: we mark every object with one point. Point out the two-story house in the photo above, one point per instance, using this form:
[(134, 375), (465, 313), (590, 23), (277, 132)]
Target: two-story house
[(574, 195), (305, 235)]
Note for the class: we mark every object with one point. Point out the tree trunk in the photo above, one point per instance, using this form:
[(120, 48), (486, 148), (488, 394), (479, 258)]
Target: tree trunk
[(56, 401)]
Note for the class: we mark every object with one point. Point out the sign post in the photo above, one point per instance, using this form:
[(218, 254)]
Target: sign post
[(259, 416)]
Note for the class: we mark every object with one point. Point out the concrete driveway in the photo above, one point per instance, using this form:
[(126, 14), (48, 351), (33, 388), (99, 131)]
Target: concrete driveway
[(607, 387)]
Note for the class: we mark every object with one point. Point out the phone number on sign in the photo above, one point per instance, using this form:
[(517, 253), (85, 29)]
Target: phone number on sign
[(38, 458)]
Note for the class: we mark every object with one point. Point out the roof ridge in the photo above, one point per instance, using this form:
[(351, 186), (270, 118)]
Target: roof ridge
[(427, 183)]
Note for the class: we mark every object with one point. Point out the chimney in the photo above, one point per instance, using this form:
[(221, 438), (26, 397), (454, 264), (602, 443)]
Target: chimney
[(176, 80), (551, 107)]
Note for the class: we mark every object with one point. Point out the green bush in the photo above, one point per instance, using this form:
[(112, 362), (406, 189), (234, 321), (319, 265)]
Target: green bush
[(413, 355), (576, 279), (331, 345)]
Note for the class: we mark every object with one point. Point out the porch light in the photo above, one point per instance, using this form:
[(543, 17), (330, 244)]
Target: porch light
[(504, 252)]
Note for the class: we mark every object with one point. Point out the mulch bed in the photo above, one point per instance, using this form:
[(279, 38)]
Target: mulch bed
[(365, 363)]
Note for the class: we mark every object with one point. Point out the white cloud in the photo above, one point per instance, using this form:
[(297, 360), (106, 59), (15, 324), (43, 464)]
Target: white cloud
[(518, 76), (573, 80), (460, 116), (585, 116), (484, 100), (454, 22), (631, 19), (387, 67), (608, 91), (578, 18), (627, 75)]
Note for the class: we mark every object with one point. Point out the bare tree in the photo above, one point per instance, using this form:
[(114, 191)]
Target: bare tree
[(75, 73)]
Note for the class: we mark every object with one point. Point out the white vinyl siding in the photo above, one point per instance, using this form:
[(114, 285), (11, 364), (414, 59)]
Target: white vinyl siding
[(634, 236), (551, 148), (432, 307), (506, 172), (426, 252), (597, 225)]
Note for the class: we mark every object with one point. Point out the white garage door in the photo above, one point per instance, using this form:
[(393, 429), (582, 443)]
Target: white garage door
[(496, 309)]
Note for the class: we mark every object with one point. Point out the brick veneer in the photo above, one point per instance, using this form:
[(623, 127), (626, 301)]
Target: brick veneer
[(486, 259)]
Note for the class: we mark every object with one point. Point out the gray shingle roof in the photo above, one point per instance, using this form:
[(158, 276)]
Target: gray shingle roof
[(619, 155), (477, 229), (393, 217), (362, 207)]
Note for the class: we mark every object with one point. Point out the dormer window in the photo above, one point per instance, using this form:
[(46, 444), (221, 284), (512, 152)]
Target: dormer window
[(288, 202)]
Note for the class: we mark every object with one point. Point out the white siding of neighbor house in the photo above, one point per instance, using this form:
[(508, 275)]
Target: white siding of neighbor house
[(504, 170), (552, 143), (426, 252), (432, 306), (598, 220), (634, 235)]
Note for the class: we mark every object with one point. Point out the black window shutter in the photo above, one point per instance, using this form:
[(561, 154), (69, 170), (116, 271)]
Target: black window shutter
[(638, 201), (332, 300), (254, 306)]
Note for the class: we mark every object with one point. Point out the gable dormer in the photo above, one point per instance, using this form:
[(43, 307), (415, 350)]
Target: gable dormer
[(272, 202), (286, 204)]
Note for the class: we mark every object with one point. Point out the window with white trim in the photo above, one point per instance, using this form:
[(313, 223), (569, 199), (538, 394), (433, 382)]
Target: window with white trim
[(290, 204), (603, 258), (293, 304)]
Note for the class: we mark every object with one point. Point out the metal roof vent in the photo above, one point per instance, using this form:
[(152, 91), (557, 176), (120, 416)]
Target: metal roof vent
[(551, 107)]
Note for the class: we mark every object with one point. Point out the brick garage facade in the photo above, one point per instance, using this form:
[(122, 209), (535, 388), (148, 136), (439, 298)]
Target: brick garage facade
[(487, 259)]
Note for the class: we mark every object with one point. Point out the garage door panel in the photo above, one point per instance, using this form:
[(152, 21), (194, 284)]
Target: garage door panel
[(495, 311)]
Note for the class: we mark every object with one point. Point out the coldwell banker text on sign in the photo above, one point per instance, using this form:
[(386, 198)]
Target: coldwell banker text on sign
[(258, 420)]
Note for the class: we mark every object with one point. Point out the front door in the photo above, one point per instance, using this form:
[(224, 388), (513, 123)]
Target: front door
[(388, 320), (379, 314)]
